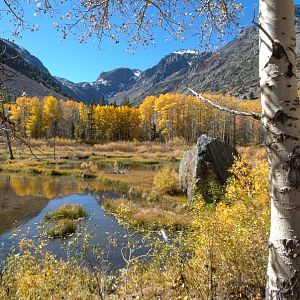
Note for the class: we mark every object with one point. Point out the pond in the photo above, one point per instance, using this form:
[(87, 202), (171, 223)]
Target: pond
[(25, 200)]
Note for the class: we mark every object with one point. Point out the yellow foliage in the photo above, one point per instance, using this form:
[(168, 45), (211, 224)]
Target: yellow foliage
[(166, 117), (248, 183), (42, 276), (224, 255), (231, 237), (166, 181)]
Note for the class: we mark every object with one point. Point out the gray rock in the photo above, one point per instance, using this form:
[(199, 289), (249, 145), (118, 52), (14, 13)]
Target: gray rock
[(208, 161)]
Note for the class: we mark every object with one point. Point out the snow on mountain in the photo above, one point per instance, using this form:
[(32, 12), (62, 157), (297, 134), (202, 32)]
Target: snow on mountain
[(102, 81), (181, 52), (137, 73)]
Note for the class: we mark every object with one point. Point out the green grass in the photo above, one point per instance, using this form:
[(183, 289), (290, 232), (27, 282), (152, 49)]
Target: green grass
[(63, 228), (33, 171), (67, 211), (54, 172), (144, 216)]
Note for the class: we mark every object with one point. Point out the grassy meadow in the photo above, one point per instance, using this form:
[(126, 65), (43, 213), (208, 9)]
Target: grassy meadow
[(209, 251)]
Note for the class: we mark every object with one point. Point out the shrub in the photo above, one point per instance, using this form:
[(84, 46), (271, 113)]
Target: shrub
[(62, 229), (67, 211), (166, 181), (230, 240), (224, 255), (43, 276)]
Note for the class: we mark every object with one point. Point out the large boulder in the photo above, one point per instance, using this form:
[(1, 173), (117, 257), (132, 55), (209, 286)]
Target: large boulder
[(208, 161)]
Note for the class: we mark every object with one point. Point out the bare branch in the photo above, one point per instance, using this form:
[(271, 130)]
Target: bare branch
[(13, 11), (136, 20), (258, 25), (229, 110)]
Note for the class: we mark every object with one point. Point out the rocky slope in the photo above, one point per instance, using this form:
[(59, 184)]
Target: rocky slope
[(31, 76), (163, 77), (23, 85), (234, 69), (106, 85)]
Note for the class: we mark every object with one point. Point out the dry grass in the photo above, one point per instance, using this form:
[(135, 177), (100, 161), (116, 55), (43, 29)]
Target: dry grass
[(146, 215), (253, 154), (67, 211), (140, 147), (139, 179), (63, 228), (140, 157), (221, 255)]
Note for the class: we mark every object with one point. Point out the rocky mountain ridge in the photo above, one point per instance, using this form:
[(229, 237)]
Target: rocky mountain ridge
[(233, 68)]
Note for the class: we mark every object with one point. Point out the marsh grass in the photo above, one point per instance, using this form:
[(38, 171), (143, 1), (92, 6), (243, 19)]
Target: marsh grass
[(145, 215), (222, 255), (142, 159), (67, 211), (62, 228), (64, 220)]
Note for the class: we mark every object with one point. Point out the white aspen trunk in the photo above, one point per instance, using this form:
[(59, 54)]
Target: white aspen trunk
[(281, 120)]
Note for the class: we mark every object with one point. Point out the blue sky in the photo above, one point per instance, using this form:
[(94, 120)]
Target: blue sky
[(84, 62)]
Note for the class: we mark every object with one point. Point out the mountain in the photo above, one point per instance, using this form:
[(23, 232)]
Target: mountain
[(161, 78), (34, 79), (123, 83), (233, 68), (30, 75), (106, 85)]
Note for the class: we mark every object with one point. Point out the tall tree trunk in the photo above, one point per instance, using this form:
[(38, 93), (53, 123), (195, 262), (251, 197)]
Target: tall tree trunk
[(8, 142), (7, 130), (234, 131), (281, 121)]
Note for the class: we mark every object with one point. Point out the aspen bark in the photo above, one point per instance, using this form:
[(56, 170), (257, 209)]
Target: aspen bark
[(8, 142), (281, 121), (6, 129)]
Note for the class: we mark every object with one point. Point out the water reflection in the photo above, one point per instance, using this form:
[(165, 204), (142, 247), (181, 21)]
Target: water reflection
[(25, 200), (46, 186), (23, 196)]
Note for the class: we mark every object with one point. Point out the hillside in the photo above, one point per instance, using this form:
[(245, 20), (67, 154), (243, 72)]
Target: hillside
[(233, 68), (106, 85), (31, 76)]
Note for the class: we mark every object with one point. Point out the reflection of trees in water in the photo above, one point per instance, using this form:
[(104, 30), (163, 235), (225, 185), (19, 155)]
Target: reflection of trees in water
[(50, 187), (25, 195), (4, 202), (4, 198)]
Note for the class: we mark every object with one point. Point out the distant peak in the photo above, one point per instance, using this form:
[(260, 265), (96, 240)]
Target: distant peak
[(188, 51), (137, 73)]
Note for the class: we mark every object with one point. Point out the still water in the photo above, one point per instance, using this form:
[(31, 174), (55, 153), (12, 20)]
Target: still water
[(25, 200)]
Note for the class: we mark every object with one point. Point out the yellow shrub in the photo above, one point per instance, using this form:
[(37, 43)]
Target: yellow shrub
[(231, 239), (224, 256), (248, 183), (43, 276), (166, 181)]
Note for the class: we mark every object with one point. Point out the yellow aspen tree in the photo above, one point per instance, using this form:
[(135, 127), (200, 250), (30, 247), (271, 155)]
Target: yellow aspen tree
[(51, 116)]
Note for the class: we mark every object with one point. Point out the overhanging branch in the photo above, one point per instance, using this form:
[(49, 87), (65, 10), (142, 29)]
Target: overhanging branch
[(229, 110)]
